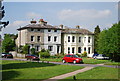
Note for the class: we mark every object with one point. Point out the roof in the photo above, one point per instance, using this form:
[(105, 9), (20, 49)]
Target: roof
[(77, 31), (39, 26)]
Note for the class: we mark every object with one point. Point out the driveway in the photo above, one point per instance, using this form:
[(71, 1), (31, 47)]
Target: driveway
[(86, 65)]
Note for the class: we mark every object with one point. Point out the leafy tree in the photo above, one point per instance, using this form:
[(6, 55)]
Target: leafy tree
[(44, 53), (108, 42), (8, 44), (25, 49), (96, 34)]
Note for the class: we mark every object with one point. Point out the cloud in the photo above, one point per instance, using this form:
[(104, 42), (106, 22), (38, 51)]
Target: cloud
[(83, 15), (32, 15), (12, 27)]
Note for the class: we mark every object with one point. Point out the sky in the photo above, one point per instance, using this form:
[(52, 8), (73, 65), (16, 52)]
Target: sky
[(86, 14)]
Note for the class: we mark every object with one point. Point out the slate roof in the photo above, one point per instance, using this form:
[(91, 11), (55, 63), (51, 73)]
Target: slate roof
[(77, 31), (37, 26)]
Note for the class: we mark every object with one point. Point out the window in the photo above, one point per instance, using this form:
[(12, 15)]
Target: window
[(55, 30), (84, 48), (73, 38), (55, 38), (67, 55), (79, 49), (84, 39), (68, 38), (50, 48), (32, 29), (49, 38), (37, 48), (49, 30), (68, 50), (89, 50), (38, 38), (88, 39), (73, 50), (79, 39), (32, 38), (38, 29)]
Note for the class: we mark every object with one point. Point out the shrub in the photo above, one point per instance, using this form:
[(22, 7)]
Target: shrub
[(44, 53), (78, 55), (32, 50), (84, 54)]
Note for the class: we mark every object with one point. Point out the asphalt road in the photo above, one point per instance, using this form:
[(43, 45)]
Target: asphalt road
[(89, 65)]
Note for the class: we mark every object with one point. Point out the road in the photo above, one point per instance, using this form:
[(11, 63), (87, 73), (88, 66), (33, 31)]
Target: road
[(86, 65)]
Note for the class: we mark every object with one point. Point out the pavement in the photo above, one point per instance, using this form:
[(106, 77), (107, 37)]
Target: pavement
[(68, 74)]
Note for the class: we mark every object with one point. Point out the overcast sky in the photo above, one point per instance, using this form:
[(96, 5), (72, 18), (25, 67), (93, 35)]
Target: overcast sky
[(86, 14)]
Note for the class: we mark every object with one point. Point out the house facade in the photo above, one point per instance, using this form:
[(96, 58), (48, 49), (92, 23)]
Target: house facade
[(40, 36), (57, 39), (77, 41)]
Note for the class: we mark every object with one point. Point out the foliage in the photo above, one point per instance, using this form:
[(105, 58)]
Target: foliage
[(8, 43), (84, 54), (96, 34), (44, 53), (32, 50), (108, 42), (78, 55), (25, 49)]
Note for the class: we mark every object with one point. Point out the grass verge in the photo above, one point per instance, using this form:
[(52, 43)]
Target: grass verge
[(96, 73), (33, 70)]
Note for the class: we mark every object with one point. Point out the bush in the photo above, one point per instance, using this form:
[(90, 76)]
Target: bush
[(84, 54), (78, 55), (32, 50), (44, 53)]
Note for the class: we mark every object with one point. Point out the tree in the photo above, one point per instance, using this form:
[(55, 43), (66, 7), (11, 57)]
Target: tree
[(96, 34), (8, 44), (25, 49), (108, 42), (32, 50)]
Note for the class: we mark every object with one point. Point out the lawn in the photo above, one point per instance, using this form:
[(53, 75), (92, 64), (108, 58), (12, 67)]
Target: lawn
[(33, 70), (97, 73), (85, 59)]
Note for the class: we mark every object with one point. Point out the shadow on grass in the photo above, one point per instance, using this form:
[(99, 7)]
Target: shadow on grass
[(25, 65), (7, 75)]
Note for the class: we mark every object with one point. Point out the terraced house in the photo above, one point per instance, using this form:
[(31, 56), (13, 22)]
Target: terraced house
[(56, 39)]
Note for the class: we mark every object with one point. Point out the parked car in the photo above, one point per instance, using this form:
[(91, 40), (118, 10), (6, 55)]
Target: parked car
[(94, 55), (32, 57), (101, 56), (72, 58), (7, 55)]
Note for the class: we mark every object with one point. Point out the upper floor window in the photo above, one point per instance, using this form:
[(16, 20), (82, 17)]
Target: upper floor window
[(38, 29), (89, 39), (50, 48), (38, 38), (55, 38), (79, 39), (49, 38), (68, 38), (32, 38), (32, 29), (55, 30), (49, 30), (73, 38)]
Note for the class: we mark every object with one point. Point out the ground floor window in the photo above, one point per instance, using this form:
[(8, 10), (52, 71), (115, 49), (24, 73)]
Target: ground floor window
[(84, 48), (89, 50), (79, 49), (73, 50), (37, 48), (50, 48), (68, 50)]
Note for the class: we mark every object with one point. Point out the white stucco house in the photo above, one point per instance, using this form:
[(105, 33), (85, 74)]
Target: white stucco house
[(77, 40)]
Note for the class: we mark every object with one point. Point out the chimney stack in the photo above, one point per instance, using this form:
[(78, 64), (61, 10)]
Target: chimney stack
[(78, 27), (42, 22), (61, 26), (33, 22)]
